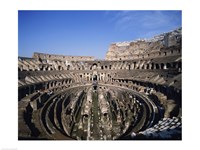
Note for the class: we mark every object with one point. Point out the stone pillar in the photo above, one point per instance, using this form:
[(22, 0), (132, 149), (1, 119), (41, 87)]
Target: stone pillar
[(165, 66)]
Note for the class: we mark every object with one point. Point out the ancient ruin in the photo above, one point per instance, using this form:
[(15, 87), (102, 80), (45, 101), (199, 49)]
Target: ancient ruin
[(134, 94)]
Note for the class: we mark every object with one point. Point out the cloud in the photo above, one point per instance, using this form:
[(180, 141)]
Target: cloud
[(144, 20)]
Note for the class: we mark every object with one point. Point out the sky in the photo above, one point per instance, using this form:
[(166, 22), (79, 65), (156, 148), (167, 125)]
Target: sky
[(88, 33)]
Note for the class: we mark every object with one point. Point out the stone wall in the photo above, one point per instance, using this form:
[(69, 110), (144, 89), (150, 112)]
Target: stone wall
[(62, 57), (146, 47)]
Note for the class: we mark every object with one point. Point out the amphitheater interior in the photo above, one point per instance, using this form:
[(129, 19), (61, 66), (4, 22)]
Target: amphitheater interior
[(133, 94)]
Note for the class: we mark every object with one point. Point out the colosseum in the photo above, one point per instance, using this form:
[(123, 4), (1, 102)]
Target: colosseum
[(133, 94)]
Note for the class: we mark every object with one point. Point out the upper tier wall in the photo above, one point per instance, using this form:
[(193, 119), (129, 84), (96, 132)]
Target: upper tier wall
[(166, 42), (62, 57)]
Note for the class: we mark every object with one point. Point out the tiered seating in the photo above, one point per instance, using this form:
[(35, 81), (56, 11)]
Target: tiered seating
[(167, 128), (57, 100)]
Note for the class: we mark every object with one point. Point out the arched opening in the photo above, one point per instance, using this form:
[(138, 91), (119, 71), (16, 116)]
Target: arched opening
[(162, 66), (168, 65), (95, 77), (110, 67), (102, 67), (175, 81), (174, 65), (105, 114), (129, 67), (51, 84), (85, 115), (134, 65), (59, 68), (152, 66), (68, 67), (157, 66), (93, 67), (147, 66)]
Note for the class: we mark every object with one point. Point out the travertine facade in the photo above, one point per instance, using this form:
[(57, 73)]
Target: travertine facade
[(135, 93), (146, 47), (62, 57)]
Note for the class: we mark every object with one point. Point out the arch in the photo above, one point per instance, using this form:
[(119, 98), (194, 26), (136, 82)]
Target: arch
[(95, 77), (162, 66), (59, 68), (134, 65), (51, 84), (147, 66), (157, 66), (174, 64), (110, 66), (152, 66), (168, 65), (62, 82), (94, 66), (68, 67), (105, 114)]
